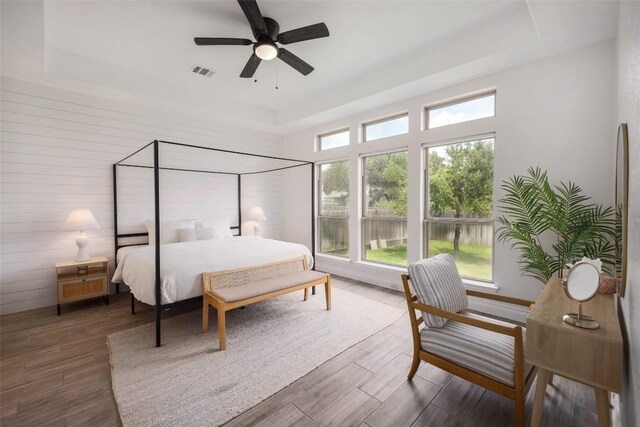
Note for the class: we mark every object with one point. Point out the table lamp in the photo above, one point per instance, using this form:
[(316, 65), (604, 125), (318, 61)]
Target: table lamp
[(81, 220), (256, 214)]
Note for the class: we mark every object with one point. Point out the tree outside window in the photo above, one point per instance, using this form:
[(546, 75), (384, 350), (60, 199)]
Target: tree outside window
[(333, 209), (459, 217), (385, 208)]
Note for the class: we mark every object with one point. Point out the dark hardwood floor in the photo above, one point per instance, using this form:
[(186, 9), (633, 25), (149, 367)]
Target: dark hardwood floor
[(55, 371)]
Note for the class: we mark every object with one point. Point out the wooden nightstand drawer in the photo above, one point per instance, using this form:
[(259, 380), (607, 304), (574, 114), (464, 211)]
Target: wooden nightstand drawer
[(82, 288), (78, 280)]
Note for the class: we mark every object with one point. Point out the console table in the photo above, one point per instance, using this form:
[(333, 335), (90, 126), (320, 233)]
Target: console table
[(592, 357)]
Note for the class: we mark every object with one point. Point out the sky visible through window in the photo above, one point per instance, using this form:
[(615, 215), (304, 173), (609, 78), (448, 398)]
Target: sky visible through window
[(396, 126), (465, 111), (335, 140)]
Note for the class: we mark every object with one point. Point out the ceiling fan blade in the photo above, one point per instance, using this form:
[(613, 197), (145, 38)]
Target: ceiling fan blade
[(252, 65), (221, 41), (252, 12), (294, 61), (311, 32)]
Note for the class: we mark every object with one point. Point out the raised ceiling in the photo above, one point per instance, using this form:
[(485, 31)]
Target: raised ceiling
[(145, 49)]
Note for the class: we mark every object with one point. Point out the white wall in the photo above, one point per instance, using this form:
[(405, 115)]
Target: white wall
[(555, 113), (57, 151), (629, 112)]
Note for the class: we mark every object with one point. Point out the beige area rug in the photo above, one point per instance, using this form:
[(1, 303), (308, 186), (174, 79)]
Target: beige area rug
[(269, 345)]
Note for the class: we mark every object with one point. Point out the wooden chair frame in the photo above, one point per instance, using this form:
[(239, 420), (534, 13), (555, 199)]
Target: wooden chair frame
[(221, 306), (521, 386)]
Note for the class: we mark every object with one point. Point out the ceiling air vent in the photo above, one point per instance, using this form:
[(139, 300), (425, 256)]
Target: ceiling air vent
[(202, 71)]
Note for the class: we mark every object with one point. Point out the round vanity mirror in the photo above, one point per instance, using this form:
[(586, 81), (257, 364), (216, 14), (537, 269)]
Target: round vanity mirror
[(582, 285), (583, 282)]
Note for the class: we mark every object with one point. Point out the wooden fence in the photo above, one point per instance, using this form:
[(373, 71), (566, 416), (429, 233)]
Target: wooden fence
[(333, 233)]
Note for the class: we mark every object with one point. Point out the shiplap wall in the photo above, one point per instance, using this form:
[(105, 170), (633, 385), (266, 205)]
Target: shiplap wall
[(57, 151)]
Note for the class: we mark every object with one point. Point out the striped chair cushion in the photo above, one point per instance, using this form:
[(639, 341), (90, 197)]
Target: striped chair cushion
[(486, 352), (438, 284)]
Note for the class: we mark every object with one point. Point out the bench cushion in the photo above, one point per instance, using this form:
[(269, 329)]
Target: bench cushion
[(486, 352), (261, 287)]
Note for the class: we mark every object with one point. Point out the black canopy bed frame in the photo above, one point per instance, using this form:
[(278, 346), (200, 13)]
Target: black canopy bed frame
[(157, 144)]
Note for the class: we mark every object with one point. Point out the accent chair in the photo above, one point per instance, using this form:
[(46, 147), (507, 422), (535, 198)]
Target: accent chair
[(479, 349)]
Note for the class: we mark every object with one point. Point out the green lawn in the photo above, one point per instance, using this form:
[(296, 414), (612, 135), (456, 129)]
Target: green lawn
[(393, 255), (474, 260), (337, 252)]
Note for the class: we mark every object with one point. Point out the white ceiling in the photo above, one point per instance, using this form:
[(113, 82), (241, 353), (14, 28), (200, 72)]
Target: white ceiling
[(377, 51)]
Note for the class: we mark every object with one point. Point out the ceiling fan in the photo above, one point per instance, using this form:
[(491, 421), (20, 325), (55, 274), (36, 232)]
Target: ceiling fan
[(267, 33)]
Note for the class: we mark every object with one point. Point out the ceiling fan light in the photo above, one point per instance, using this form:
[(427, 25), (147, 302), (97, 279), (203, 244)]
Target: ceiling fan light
[(266, 50)]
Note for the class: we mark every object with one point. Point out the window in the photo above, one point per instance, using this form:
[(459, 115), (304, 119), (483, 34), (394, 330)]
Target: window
[(333, 140), (396, 125), (459, 205), (461, 111), (384, 225), (333, 208)]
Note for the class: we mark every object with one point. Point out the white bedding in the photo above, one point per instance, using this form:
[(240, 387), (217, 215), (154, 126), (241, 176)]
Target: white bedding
[(182, 264), (122, 252)]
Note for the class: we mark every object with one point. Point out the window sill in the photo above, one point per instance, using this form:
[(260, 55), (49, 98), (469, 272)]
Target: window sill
[(478, 285), (363, 263), (382, 265), (332, 257)]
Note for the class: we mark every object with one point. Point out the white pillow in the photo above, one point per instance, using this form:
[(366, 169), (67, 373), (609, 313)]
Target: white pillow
[(168, 230), (221, 226), (192, 234)]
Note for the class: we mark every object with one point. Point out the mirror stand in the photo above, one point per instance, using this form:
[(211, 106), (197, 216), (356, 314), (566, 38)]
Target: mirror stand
[(580, 320)]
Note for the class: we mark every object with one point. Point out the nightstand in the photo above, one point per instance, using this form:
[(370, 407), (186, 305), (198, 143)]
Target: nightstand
[(79, 280)]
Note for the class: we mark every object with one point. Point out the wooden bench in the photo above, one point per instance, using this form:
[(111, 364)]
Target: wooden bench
[(229, 289)]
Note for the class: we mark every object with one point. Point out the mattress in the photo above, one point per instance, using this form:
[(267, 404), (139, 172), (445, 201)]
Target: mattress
[(182, 264)]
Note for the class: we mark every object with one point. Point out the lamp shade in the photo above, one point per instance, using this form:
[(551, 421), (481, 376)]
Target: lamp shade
[(256, 214), (80, 220)]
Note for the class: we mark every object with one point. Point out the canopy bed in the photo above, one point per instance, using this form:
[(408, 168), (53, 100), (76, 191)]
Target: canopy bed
[(174, 278)]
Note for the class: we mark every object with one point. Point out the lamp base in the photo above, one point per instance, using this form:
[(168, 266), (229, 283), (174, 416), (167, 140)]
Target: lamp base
[(82, 241), (580, 321)]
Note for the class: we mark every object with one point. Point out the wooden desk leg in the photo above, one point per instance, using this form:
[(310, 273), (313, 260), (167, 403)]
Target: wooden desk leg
[(538, 401), (602, 405)]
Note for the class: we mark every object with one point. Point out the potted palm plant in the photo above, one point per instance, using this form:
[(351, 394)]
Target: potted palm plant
[(553, 225)]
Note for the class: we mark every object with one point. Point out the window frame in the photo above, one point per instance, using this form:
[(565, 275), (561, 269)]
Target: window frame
[(319, 215), (364, 217), (426, 219), (382, 120), (331, 133), (460, 100)]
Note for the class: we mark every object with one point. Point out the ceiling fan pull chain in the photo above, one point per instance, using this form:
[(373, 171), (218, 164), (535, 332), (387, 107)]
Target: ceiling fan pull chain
[(276, 76)]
